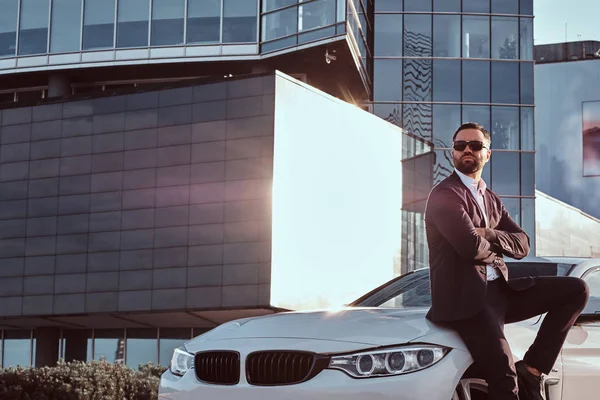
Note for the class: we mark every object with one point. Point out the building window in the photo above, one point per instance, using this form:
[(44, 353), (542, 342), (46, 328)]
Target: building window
[(8, 27), (446, 35), (506, 173), (280, 24), (109, 345), (526, 38), (505, 82), (505, 130), (167, 22), (446, 119), (270, 5), (505, 38), (98, 24), (505, 6), (417, 35), (446, 5), (446, 80), (476, 82), (17, 348), (204, 21), (239, 21), (33, 31), (141, 347), (476, 37), (476, 6), (388, 31), (317, 14), (66, 26), (132, 23), (388, 85)]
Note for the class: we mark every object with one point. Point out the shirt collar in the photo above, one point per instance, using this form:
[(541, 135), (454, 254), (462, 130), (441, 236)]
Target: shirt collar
[(470, 183)]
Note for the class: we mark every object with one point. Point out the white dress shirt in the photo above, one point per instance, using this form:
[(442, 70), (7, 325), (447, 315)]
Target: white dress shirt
[(477, 189)]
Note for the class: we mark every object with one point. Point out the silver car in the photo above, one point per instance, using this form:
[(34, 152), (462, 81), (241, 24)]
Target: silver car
[(381, 346)]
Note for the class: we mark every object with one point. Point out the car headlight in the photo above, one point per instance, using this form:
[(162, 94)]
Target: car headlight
[(388, 362), (181, 361)]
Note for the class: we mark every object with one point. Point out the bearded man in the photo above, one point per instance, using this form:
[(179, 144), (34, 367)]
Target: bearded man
[(469, 232)]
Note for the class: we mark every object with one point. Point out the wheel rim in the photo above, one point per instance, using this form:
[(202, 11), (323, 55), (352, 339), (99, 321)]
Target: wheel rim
[(466, 387)]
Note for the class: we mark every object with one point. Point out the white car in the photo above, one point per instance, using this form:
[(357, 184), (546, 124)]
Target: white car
[(379, 347)]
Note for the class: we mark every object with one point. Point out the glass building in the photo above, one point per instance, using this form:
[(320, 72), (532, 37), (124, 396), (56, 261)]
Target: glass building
[(81, 163), (458, 61)]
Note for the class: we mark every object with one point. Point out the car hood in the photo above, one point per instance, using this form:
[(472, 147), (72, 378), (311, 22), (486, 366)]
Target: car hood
[(365, 326)]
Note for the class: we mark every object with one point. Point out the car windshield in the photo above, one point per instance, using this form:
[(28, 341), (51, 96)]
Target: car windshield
[(412, 290), (408, 291)]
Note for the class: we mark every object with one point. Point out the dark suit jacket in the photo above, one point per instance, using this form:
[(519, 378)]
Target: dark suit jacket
[(458, 253)]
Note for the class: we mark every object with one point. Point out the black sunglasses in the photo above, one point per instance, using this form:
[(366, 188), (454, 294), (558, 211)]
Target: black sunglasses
[(475, 145)]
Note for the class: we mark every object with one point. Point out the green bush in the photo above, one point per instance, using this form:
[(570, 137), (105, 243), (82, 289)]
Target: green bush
[(81, 381)]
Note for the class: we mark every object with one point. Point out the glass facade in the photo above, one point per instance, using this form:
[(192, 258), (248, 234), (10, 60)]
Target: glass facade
[(439, 63), (130, 346), (34, 27), (287, 23)]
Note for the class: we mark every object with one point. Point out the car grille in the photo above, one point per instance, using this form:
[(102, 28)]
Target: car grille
[(218, 367), (270, 368)]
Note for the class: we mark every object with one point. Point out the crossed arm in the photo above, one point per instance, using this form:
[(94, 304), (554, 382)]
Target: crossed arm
[(447, 213)]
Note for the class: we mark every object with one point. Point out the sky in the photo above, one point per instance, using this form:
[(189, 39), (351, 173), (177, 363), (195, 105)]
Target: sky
[(581, 17)]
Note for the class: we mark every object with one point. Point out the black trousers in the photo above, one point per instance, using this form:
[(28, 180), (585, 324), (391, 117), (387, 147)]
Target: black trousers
[(563, 298)]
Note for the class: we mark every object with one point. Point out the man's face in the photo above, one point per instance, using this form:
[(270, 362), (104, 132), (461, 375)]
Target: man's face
[(469, 160)]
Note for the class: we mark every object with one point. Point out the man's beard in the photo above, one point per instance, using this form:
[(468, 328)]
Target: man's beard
[(471, 165)]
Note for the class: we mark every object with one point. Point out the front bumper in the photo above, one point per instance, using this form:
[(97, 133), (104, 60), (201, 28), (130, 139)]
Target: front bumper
[(434, 383)]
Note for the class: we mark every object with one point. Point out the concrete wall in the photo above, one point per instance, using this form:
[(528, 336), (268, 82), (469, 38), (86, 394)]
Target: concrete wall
[(560, 90), (150, 201), (563, 230)]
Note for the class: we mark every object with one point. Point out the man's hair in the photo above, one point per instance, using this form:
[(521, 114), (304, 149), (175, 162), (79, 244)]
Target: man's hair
[(473, 125)]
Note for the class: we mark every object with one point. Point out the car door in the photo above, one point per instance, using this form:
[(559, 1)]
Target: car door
[(581, 351)]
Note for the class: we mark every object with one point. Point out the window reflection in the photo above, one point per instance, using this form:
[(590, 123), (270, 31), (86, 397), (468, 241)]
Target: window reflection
[(446, 35), (444, 166), (17, 348), (505, 173), (132, 23), (479, 114), (109, 345), (417, 35), (388, 85), (417, 122), (8, 27), (268, 5), (418, 79), (526, 83), (203, 21), (446, 119), (528, 221), (476, 82), (66, 25), (98, 24), (141, 347), (527, 174), (446, 5), (280, 24), (417, 5), (392, 113), (446, 80), (505, 38), (239, 21), (526, 36), (476, 37), (505, 6), (527, 128), (505, 128), (505, 82), (317, 14), (167, 22), (33, 31), (513, 207), (526, 7), (476, 6), (388, 35), (388, 5)]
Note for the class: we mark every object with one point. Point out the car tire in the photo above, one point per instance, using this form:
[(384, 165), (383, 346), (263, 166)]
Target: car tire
[(471, 389)]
